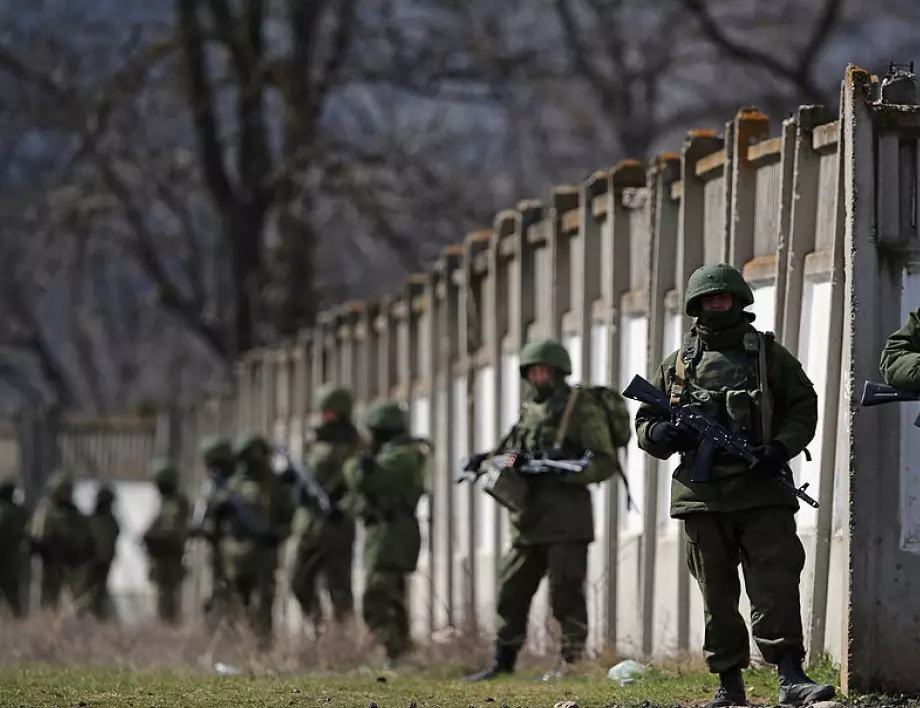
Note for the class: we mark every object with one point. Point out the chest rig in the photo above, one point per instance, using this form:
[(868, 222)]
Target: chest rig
[(730, 385)]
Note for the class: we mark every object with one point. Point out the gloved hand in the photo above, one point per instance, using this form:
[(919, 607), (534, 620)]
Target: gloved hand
[(673, 437), (474, 462), (272, 538), (773, 458), (556, 453), (367, 464)]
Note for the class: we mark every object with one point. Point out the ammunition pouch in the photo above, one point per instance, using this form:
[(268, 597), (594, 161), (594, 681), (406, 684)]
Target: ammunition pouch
[(506, 486)]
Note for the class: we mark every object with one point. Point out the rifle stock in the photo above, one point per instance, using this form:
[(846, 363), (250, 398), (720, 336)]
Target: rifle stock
[(876, 394)]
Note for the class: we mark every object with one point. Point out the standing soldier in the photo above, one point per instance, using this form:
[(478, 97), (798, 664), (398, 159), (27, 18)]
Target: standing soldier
[(900, 365), (59, 534), (256, 512), (324, 547), (553, 530), (103, 527), (756, 388), (385, 486), (217, 455), (165, 539), (13, 520)]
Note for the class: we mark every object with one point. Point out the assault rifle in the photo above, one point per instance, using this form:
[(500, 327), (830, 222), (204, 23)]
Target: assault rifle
[(713, 435), (306, 488), (533, 465), (243, 520), (876, 394)]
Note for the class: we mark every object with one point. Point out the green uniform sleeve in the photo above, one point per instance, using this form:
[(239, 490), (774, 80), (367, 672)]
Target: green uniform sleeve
[(795, 403), (900, 363), (646, 416), (397, 482), (325, 464), (589, 425)]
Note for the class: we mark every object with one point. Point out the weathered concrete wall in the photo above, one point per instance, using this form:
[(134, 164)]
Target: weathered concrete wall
[(824, 234)]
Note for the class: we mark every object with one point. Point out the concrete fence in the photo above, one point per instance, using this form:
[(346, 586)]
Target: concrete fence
[(820, 213)]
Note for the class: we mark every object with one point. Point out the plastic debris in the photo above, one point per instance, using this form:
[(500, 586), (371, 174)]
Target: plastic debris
[(226, 669), (626, 672)]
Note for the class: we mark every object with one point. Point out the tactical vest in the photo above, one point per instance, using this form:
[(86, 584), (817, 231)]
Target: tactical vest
[(729, 385), (543, 426)]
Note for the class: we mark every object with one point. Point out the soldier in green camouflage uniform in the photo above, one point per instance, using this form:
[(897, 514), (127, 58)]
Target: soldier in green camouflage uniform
[(900, 364), (13, 520), (250, 555), (384, 487), (59, 534), (103, 527), (165, 540), (741, 515), (217, 455), (324, 547), (553, 532)]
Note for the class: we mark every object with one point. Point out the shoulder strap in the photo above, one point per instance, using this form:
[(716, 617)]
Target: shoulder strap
[(567, 415), (687, 352), (766, 398)]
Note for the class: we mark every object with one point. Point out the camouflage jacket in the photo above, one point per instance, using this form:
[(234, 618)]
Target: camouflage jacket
[(335, 444), (165, 538), (558, 509), (13, 521), (722, 383), (386, 501), (900, 363), (104, 529), (60, 533)]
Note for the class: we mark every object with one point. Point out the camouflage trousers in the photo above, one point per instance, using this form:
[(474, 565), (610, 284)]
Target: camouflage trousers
[(765, 544), (100, 603), (11, 592), (168, 601), (217, 606), (57, 576), (385, 610), (314, 562), (523, 567), (254, 593)]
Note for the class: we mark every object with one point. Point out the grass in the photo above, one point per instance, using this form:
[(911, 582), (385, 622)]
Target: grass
[(73, 663), (44, 686)]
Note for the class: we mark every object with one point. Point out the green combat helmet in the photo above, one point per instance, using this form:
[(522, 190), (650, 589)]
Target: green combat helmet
[(386, 416), (215, 449), (60, 485), (164, 472), (548, 352), (714, 279), (336, 400), (252, 446)]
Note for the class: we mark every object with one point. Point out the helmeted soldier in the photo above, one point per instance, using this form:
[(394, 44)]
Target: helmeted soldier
[(13, 521), (552, 532), (900, 364), (250, 543), (385, 485), (216, 453), (104, 530), (59, 534), (756, 388), (324, 547), (165, 539)]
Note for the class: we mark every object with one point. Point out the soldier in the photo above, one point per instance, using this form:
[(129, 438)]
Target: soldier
[(900, 364), (59, 534), (217, 455), (385, 486), (738, 375), (324, 547), (250, 544), (554, 529), (103, 527), (13, 520), (165, 540)]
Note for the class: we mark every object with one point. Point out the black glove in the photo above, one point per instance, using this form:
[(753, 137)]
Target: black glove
[(773, 458), (555, 453), (272, 538), (673, 437), (367, 464), (289, 476)]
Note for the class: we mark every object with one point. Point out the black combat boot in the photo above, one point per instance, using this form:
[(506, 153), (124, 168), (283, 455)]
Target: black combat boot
[(730, 691), (502, 663), (795, 688)]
